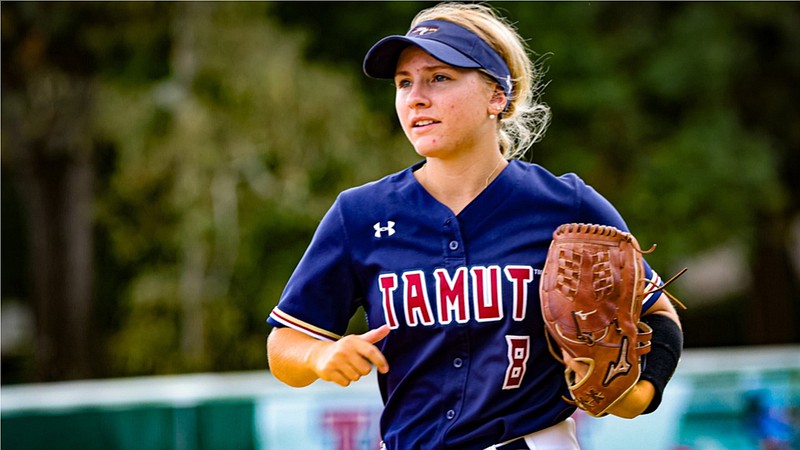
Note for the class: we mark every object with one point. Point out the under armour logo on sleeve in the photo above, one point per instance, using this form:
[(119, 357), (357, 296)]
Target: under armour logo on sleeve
[(389, 229)]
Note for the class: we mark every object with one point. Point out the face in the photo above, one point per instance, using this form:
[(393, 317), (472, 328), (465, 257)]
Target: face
[(444, 109)]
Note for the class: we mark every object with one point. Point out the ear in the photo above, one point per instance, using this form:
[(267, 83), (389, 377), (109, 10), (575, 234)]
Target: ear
[(497, 104)]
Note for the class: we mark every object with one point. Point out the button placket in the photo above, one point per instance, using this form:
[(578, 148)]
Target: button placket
[(452, 238), (454, 257)]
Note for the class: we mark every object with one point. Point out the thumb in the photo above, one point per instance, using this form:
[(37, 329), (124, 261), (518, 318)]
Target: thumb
[(373, 336)]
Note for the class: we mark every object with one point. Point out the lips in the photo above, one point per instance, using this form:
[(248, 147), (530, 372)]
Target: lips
[(419, 123)]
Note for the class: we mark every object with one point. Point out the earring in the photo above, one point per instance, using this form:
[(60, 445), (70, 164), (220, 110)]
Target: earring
[(492, 116)]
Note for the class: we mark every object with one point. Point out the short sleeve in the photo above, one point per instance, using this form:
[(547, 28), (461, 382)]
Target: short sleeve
[(320, 297)]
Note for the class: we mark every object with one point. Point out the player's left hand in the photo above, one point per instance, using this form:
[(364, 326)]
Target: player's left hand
[(631, 404)]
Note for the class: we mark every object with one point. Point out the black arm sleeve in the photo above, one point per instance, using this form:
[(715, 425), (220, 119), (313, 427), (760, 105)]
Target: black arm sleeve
[(662, 360)]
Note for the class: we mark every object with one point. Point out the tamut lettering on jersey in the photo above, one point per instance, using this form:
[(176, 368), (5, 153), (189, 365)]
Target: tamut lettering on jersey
[(460, 295)]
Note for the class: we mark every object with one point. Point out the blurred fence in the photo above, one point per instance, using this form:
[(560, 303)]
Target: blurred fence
[(719, 399)]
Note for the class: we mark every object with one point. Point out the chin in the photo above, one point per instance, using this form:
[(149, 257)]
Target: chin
[(426, 150)]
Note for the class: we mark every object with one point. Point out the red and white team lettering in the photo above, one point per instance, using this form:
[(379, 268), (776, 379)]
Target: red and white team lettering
[(388, 284), (416, 302), (460, 296), (451, 296)]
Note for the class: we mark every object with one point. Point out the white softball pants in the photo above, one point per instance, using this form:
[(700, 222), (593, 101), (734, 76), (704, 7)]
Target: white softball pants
[(562, 436)]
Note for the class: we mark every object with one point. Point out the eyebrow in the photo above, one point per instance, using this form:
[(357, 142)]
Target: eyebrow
[(429, 69)]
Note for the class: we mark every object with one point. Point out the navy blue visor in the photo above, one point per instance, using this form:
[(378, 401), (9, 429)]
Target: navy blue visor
[(445, 41)]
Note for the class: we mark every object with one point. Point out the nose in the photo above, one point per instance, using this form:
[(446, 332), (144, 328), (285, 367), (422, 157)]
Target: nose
[(417, 97)]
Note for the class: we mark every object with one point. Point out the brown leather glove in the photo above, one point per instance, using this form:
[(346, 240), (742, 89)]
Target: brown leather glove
[(592, 289)]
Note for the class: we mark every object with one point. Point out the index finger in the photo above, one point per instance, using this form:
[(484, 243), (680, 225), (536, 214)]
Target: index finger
[(375, 357), (373, 336)]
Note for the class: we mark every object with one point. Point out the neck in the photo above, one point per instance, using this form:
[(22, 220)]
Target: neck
[(456, 184)]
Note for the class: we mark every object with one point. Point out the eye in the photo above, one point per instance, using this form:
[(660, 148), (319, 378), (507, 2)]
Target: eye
[(440, 77), (402, 83)]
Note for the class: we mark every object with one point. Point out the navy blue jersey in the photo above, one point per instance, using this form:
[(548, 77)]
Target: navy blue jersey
[(469, 364)]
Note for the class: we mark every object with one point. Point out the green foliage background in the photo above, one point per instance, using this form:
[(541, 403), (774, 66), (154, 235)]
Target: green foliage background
[(219, 133)]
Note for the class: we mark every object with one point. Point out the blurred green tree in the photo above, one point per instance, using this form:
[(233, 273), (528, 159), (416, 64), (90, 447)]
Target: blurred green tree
[(48, 93), (245, 145), (218, 149), (169, 161)]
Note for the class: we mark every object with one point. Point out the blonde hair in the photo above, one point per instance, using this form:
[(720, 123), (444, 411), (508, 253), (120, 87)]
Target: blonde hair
[(526, 119)]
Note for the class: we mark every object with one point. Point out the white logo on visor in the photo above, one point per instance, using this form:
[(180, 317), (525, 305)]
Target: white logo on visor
[(422, 31)]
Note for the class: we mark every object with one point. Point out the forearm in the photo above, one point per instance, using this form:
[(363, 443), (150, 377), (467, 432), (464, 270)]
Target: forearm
[(299, 360), (289, 353), (660, 363)]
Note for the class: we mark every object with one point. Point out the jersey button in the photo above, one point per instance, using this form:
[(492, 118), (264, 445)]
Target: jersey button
[(451, 414), (453, 245), (458, 362)]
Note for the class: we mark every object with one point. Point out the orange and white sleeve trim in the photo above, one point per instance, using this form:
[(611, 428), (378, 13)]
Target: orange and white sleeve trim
[(651, 288), (303, 327)]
